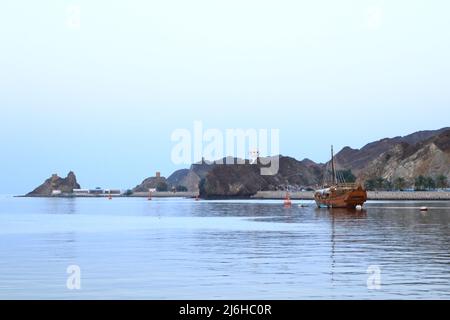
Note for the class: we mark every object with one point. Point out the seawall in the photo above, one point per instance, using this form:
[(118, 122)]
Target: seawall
[(371, 195)]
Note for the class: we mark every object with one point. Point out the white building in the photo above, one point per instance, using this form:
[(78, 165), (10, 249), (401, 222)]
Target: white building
[(80, 191)]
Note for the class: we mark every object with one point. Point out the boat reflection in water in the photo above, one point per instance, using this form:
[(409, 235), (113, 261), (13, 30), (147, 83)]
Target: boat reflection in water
[(339, 194), (342, 213)]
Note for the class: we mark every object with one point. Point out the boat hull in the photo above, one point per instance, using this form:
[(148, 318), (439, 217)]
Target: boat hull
[(338, 198)]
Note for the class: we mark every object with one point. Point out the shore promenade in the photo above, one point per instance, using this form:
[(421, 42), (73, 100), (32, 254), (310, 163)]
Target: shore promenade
[(309, 195), (371, 195), (276, 195)]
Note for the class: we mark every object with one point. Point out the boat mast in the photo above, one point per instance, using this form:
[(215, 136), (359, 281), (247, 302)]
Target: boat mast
[(332, 166)]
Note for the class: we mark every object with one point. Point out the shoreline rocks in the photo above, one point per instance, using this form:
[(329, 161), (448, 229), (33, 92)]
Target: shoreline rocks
[(56, 185)]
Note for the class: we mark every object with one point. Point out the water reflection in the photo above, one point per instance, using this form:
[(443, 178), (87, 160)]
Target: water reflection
[(183, 249), (60, 205), (341, 213)]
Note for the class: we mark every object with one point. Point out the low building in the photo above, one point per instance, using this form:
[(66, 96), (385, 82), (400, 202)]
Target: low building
[(97, 191), (113, 191), (56, 192), (80, 192)]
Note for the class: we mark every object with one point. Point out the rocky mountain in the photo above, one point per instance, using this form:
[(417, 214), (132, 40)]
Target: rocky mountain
[(190, 178), (244, 180), (359, 159), (56, 183), (187, 178), (430, 157), (178, 177), (424, 153)]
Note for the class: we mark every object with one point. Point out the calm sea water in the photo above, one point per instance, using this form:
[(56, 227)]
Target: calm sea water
[(183, 249)]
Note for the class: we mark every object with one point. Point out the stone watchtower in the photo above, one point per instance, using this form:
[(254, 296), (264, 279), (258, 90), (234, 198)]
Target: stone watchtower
[(53, 180)]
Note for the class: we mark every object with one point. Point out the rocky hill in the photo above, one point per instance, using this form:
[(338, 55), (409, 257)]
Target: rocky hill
[(187, 178), (358, 160), (244, 180), (178, 177), (424, 153), (190, 178), (56, 183), (428, 157), (155, 182)]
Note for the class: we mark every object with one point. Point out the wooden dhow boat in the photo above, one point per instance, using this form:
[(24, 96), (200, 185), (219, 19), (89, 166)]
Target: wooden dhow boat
[(337, 193)]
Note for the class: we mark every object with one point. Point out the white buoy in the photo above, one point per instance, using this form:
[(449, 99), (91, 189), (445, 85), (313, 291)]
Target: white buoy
[(358, 207)]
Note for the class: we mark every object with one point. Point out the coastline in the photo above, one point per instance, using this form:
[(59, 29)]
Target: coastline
[(134, 195), (371, 195), (275, 195)]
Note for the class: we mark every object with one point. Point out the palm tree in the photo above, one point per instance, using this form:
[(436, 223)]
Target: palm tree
[(429, 183), (441, 182), (419, 183), (379, 182), (399, 184), (370, 184)]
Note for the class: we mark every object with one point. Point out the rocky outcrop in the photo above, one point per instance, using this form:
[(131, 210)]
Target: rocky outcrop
[(190, 178), (245, 180), (358, 160), (187, 178), (156, 182), (430, 157), (55, 185), (178, 177)]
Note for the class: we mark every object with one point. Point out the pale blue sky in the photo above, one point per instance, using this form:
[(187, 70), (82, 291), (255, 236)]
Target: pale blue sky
[(104, 98)]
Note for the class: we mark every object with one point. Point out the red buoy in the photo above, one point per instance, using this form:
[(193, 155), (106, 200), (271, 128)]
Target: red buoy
[(287, 201)]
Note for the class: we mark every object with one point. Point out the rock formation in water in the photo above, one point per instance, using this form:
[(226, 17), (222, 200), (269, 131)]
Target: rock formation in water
[(56, 184)]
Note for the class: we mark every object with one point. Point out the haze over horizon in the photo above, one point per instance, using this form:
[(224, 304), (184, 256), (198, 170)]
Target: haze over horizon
[(101, 94)]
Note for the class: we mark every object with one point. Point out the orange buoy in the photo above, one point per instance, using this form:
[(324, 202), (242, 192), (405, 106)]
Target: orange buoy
[(287, 201)]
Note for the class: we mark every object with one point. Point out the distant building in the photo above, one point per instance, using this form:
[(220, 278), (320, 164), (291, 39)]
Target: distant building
[(56, 192), (152, 190), (80, 192), (158, 174), (112, 191), (96, 191)]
